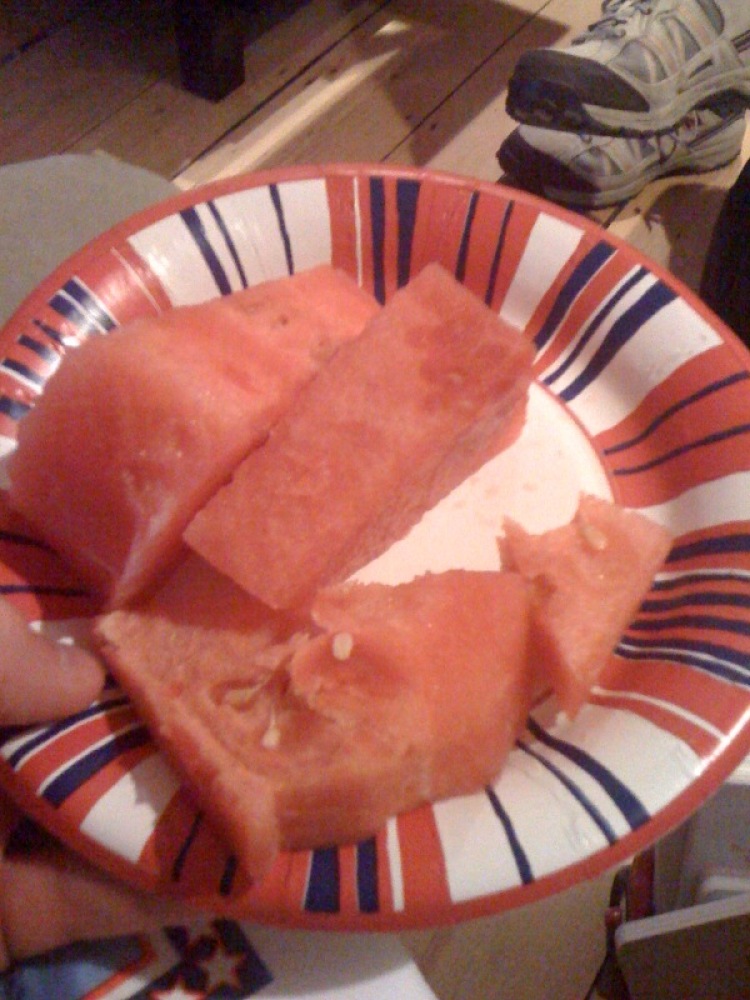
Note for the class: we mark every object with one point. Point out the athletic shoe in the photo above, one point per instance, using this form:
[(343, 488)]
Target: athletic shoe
[(640, 69), (594, 171)]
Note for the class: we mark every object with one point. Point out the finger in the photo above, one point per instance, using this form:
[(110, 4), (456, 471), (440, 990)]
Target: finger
[(77, 903), (8, 819), (41, 679)]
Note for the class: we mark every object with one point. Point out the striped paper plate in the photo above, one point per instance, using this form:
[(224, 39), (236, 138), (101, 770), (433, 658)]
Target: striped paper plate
[(641, 395)]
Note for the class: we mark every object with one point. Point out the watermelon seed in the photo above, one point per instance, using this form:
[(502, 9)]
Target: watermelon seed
[(272, 736), (240, 697), (592, 535), (342, 645)]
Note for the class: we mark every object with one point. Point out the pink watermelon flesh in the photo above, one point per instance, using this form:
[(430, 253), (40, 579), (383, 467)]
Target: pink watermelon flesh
[(589, 578), (136, 430), (395, 420), (177, 654), (296, 734), (459, 641)]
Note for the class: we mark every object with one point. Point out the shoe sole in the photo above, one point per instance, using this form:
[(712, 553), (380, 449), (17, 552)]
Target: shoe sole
[(521, 160), (549, 89)]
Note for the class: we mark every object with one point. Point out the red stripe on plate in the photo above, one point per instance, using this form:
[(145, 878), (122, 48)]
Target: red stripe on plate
[(584, 307), (548, 300), (343, 208), (703, 743), (439, 227), (520, 224), (692, 691), (422, 860)]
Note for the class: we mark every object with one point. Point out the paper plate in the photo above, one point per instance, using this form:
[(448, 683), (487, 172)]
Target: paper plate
[(641, 395)]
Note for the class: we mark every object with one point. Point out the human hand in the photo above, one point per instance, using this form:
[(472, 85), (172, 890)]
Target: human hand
[(48, 896)]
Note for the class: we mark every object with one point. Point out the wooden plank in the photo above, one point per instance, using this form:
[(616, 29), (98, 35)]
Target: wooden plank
[(464, 133), (82, 73), (22, 22), (165, 129), (372, 90)]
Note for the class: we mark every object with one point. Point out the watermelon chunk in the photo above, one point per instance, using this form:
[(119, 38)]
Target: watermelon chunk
[(457, 640), (193, 637), (137, 429), (589, 578), (396, 420), (299, 735)]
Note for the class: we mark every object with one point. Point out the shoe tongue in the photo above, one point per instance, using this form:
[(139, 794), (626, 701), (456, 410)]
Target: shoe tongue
[(616, 14)]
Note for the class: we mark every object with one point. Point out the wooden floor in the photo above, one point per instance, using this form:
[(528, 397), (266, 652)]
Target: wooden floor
[(381, 80), (378, 80)]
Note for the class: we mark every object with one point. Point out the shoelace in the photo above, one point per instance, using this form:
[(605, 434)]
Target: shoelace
[(617, 13)]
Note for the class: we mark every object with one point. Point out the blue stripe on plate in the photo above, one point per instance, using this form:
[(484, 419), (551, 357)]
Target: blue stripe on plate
[(13, 408), (273, 190), (462, 254), (720, 661), (723, 575), (582, 274), (182, 854), (197, 230), (626, 326), (231, 245), (577, 793), (407, 196), (16, 538), (697, 598), (39, 737), (704, 442), (75, 303), (631, 807), (523, 865), (736, 543), (81, 293), (367, 876), (80, 770), (377, 230), (228, 876), (323, 887), (20, 370), (46, 353), (601, 314), (497, 256), (676, 407), (49, 331), (71, 312)]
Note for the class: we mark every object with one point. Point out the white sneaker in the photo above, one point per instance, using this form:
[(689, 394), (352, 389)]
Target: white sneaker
[(593, 171), (640, 69)]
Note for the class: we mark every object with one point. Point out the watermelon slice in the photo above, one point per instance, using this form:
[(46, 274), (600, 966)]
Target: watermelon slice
[(297, 734), (137, 429), (396, 420), (458, 640), (589, 578), (199, 634)]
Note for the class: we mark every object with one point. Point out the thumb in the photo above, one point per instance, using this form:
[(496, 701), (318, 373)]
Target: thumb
[(54, 898), (40, 679)]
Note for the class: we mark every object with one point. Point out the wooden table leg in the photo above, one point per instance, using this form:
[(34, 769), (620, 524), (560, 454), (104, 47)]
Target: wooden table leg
[(210, 46)]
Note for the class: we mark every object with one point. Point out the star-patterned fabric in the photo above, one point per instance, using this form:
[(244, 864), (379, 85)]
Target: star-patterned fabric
[(211, 961)]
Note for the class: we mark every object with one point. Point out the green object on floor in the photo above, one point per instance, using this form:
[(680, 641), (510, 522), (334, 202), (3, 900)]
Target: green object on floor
[(51, 207)]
